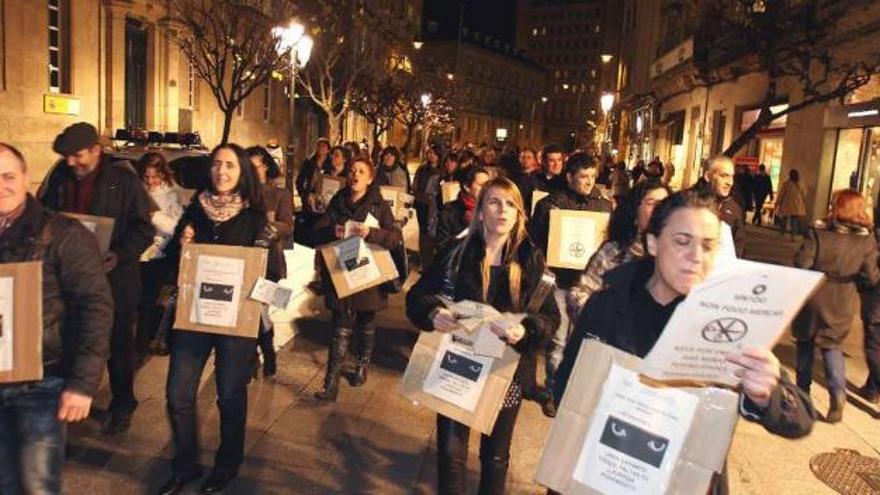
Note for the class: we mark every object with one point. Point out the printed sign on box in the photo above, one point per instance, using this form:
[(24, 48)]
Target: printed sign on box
[(449, 191), (355, 266), (327, 186), (617, 433), (574, 236), (21, 321), (214, 283)]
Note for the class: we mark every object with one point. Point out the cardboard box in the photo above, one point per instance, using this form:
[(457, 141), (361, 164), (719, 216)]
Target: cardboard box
[(449, 191), (689, 470), (102, 227), (371, 267), (214, 283), (484, 413), (327, 186), (21, 339), (574, 236), (398, 200)]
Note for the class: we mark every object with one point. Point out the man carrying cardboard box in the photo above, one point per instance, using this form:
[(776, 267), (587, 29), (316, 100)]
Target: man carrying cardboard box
[(580, 175), (77, 316), (91, 183)]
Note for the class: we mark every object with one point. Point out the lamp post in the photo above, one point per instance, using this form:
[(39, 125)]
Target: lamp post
[(606, 101), (426, 102), (292, 40)]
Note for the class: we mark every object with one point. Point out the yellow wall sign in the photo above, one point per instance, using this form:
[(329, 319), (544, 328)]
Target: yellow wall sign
[(63, 104)]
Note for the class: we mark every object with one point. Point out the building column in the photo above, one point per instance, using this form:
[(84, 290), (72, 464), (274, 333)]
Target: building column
[(116, 11), (170, 83)]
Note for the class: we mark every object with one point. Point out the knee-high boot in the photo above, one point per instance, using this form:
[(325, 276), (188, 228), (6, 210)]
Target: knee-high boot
[(335, 359), (365, 337), (266, 341)]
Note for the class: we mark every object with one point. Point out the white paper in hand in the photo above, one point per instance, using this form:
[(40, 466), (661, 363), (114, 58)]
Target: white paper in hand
[(746, 308), (268, 292), (371, 222), (7, 332)]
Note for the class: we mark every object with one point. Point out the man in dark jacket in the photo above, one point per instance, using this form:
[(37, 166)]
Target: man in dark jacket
[(719, 179), (77, 316), (762, 187), (92, 184), (580, 174), (426, 191), (306, 181)]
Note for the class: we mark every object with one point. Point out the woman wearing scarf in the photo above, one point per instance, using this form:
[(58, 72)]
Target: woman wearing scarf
[(354, 315), (456, 215), (229, 212)]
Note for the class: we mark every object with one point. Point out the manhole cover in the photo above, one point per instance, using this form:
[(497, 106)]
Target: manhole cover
[(847, 472)]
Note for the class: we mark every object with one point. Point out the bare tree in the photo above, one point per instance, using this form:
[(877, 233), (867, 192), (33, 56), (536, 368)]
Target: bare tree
[(798, 44), (340, 57), (377, 95), (230, 46), (426, 100)]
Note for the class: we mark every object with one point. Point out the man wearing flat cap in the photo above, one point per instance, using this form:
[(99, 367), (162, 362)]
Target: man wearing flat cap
[(91, 183)]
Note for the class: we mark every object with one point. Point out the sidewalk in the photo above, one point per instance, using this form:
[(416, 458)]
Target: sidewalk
[(760, 463), (375, 441)]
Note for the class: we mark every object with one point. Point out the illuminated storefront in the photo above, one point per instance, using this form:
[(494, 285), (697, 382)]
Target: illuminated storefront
[(854, 133)]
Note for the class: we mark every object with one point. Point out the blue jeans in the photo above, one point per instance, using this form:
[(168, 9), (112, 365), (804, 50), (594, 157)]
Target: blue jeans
[(31, 438), (556, 346), (835, 368), (233, 365)]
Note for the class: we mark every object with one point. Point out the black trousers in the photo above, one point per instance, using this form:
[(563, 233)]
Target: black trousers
[(154, 275), (452, 454), (121, 362), (234, 356)]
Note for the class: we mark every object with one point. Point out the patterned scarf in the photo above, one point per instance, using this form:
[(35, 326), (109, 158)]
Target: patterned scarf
[(221, 208)]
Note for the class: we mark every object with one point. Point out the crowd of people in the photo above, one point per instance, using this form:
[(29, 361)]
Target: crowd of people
[(488, 244)]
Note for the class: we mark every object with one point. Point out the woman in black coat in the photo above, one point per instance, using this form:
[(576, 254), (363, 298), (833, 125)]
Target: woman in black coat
[(353, 315), (229, 212), (630, 314), (843, 248), (495, 263)]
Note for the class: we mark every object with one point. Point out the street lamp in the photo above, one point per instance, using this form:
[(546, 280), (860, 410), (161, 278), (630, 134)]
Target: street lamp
[(426, 101), (292, 40), (606, 57), (606, 101), (418, 44)]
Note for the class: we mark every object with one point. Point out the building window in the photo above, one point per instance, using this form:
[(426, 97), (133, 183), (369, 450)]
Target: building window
[(267, 100), (59, 46)]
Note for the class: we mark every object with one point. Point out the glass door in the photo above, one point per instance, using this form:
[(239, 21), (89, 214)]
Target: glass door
[(870, 185)]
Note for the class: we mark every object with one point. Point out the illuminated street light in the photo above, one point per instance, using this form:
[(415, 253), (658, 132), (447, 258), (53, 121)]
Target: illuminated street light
[(293, 40), (450, 76), (543, 99), (606, 57), (418, 44), (607, 101), (426, 99)]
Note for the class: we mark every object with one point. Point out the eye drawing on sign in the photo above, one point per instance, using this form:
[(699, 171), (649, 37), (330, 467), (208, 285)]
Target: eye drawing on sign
[(462, 366), (633, 441), (355, 263), (216, 292), (724, 330)]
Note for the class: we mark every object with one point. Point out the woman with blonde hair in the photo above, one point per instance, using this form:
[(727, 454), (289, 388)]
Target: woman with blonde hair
[(842, 247), (497, 264)]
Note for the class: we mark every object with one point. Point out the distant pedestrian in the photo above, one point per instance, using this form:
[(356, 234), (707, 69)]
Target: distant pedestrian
[(638, 171), (842, 247), (762, 189), (457, 215), (719, 182), (426, 191), (790, 204), (743, 192), (391, 170)]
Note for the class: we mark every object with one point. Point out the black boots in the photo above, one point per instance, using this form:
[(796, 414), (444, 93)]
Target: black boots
[(338, 350), (266, 340), (365, 340)]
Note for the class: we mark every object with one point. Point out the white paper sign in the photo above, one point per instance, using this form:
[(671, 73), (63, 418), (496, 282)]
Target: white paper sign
[(635, 437), (726, 259), (268, 292), (7, 331), (356, 261), (92, 226), (457, 375), (329, 188), (578, 241), (743, 308), (218, 286), (537, 196)]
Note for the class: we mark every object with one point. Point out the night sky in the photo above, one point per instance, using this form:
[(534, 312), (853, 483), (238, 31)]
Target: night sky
[(496, 18)]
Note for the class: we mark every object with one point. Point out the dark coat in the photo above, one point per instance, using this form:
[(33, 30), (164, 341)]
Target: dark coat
[(306, 178), (611, 316), (120, 195), (426, 191), (451, 223), (247, 229), (77, 302), (279, 203), (340, 210), (466, 283), (539, 225), (397, 176), (848, 257)]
